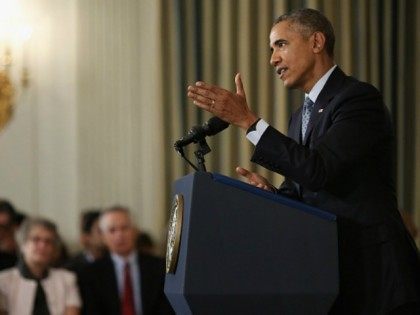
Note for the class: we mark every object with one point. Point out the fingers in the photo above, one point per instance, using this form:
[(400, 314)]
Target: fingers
[(243, 172), (201, 101), (251, 178), (227, 105), (254, 179), (205, 89), (201, 92), (248, 175), (260, 185), (206, 86), (239, 85), (198, 99), (204, 95)]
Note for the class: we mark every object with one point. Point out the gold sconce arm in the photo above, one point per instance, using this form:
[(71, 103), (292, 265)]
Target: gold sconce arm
[(15, 33), (6, 99)]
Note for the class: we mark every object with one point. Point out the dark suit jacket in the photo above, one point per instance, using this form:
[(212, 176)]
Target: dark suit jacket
[(345, 165), (7, 260), (77, 263), (100, 290)]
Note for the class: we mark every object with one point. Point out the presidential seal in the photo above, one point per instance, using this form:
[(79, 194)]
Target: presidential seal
[(174, 233)]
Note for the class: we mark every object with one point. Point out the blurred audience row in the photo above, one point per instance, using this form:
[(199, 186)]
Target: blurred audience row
[(115, 273)]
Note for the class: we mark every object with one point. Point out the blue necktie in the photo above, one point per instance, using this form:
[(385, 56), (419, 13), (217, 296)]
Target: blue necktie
[(308, 105)]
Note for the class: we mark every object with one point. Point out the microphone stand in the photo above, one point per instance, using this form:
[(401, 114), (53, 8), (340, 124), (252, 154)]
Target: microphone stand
[(203, 149), (180, 150)]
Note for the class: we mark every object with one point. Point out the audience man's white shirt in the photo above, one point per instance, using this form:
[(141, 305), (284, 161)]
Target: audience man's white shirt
[(89, 257), (119, 263)]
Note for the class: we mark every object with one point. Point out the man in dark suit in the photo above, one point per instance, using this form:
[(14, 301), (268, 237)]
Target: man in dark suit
[(338, 156), (91, 240), (124, 281), (8, 251)]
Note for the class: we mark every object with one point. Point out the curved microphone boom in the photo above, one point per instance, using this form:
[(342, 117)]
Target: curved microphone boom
[(213, 126)]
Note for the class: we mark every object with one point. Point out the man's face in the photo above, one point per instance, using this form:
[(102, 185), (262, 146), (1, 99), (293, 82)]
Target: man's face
[(118, 233), (292, 56), (5, 225), (93, 239), (39, 247)]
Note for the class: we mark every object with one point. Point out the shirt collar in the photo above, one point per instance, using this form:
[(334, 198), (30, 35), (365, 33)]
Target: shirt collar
[(120, 260), (89, 257), (313, 94)]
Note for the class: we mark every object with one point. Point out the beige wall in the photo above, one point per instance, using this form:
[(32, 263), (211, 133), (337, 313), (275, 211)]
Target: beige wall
[(38, 149), (119, 109), (86, 131)]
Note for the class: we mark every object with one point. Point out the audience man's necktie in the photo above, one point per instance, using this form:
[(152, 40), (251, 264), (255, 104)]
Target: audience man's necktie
[(308, 105), (128, 295)]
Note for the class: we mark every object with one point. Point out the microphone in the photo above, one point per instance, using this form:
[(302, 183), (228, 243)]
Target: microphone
[(211, 127)]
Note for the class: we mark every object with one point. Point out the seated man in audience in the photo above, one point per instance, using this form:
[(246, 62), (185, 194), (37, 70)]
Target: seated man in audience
[(145, 243), (8, 253), (33, 287), (91, 240), (124, 281)]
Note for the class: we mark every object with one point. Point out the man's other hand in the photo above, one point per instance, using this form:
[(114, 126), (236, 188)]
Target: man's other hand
[(255, 179)]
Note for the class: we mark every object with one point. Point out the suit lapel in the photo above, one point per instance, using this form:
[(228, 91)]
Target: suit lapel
[(330, 89)]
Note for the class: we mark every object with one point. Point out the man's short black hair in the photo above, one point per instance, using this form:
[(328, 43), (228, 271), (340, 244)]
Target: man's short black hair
[(20, 217), (7, 207), (88, 219), (311, 21)]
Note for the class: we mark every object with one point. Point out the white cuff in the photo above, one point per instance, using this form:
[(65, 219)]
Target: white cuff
[(255, 135)]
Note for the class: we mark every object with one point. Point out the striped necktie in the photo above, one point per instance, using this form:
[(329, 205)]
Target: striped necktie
[(308, 105)]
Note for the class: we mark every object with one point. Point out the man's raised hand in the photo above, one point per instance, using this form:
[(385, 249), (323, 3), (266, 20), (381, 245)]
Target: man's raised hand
[(231, 107)]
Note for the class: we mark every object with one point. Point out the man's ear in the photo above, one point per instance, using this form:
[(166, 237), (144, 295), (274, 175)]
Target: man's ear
[(318, 42)]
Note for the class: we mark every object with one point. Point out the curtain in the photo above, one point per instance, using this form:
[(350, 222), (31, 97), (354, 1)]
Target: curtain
[(120, 131)]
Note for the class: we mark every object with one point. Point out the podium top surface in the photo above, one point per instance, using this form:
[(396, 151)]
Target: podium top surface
[(275, 197)]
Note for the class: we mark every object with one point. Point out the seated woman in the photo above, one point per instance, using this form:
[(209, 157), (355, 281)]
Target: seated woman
[(33, 287)]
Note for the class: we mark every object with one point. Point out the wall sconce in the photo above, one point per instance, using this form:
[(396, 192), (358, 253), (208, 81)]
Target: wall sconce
[(6, 92), (14, 33)]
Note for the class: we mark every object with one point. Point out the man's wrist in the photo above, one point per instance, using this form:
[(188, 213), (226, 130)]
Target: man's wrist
[(253, 127), (252, 119)]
